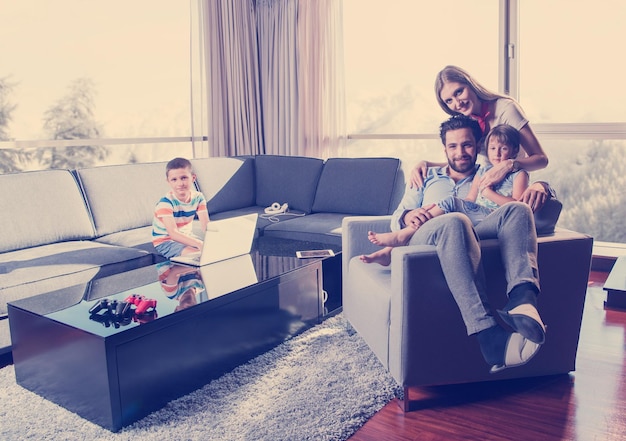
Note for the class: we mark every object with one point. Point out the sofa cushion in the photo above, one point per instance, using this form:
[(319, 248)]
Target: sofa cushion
[(41, 207), (315, 227), (49, 262), (122, 197), (138, 238), (263, 220), (227, 183), (74, 286), (287, 179), (361, 186)]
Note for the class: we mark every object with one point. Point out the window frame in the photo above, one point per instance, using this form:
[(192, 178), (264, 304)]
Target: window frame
[(509, 84)]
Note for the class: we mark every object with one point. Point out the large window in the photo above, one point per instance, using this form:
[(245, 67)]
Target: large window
[(569, 73), (394, 49), (119, 73), (393, 52), (565, 69), (75, 69), (570, 60)]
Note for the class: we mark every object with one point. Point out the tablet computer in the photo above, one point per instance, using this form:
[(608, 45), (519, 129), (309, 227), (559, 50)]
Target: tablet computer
[(314, 253)]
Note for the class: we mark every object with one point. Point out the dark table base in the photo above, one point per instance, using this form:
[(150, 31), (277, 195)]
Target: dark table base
[(118, 379)]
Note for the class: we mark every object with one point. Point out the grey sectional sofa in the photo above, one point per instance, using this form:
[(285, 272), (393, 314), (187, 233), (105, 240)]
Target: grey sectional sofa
[(66, 227)]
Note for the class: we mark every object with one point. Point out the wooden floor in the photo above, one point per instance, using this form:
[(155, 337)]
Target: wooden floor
[(588, 404)]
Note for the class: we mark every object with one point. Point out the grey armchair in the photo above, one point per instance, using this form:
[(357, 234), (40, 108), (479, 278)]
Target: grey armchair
[(408, 317)]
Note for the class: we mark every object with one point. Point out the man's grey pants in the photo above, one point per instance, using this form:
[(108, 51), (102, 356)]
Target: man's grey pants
[(458, 248)]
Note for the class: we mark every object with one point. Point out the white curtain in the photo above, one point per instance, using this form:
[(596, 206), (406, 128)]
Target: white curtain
[(275, 77), (277, 30), (198, 77), (233, 95), (320, 79)]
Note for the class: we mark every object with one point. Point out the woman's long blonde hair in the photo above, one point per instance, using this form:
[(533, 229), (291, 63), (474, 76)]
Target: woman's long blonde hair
[(454, 74)]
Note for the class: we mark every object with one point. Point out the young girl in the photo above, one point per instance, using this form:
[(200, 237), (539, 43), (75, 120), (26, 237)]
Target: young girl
[(503, 144)]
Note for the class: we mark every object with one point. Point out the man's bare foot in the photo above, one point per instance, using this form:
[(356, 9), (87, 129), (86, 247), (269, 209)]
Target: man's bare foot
[(382, 257), (392, 239)]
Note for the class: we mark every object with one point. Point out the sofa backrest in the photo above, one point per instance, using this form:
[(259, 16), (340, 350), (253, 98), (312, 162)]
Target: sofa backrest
[(359, 186), (227, 183), (287, 179), (41, 207), (123, 197)]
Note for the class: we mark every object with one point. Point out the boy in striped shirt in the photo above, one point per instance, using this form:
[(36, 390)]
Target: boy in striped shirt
[(174, 213)]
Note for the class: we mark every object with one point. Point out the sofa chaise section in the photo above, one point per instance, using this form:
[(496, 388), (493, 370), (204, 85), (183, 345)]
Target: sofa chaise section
[(46, 239)]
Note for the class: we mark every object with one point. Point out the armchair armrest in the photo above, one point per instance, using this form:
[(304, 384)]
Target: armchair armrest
[(424, 319)]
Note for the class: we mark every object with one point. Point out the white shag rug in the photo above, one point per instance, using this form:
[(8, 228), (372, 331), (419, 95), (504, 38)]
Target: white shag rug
[(320, 385)]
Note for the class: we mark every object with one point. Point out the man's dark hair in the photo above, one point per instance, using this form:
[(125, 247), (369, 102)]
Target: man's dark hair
[(177, 163), (457, 122)]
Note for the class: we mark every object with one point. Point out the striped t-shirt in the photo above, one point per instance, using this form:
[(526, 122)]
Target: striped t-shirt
[(182, 212), (186, 281)]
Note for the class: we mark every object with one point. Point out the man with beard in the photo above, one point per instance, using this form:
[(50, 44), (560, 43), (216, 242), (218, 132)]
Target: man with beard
[(458, 247)]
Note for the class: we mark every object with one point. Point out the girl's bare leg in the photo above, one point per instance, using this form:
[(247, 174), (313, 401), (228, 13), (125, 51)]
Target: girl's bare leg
[(392, 239), (382, 257)]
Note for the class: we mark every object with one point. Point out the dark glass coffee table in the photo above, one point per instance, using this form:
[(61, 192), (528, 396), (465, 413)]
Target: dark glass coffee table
[(113, 368)]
